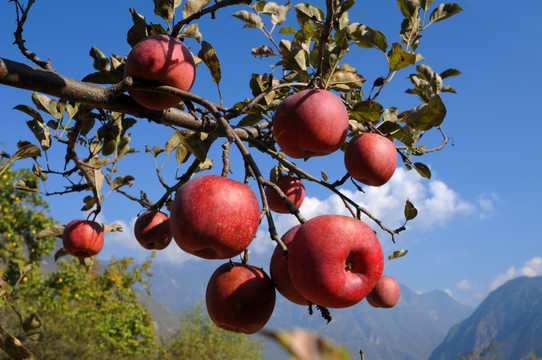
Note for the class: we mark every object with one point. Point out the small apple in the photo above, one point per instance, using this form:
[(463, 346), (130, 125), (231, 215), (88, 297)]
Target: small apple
[(312, 122), (214, 217), (371, 159), (240, 298), (164, 60), (334, 260), (83, 238), (292, 187), (152, 230), (278, 269), (385, 294)]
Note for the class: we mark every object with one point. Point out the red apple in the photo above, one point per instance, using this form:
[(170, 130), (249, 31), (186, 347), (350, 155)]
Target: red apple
[(240, 298), (335, 261), (385, 294), (371, 159), (152, 230), (278, 269), (83, 238), (292, 187), (312, 122), (164, 60), (214, 217)]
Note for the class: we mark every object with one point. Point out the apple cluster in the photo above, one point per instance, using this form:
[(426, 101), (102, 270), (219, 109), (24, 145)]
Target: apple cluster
[(332, 261)]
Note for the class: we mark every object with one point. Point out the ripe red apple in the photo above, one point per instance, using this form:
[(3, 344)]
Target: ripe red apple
[(152, 230), (278, 269), (292, 187), (214, 217), (371, 159), (83, 238), (385, 294), (164, 60), (335, 261), (312, 122), (240, 298)]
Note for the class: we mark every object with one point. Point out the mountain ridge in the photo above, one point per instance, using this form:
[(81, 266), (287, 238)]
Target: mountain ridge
[(510, 317)]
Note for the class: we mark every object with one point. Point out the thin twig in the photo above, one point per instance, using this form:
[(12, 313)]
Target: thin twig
[(22, 15)]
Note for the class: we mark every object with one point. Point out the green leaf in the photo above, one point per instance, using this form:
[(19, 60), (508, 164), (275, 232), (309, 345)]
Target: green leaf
[(193, 6), (139, 30), (101, 62), (166, 8), (287, 30), (250, 120), (275, 174), (419, 150), (398, 58), (436, 83), (425, 72), (448, 88), (366, 37), (294, 55), (345, 78), (276, 11), (123, 147), (426, 4), (408, 7), (427, 116), (50, 106), (388, 127), (192, 31), (182, 154), (324, 175), (444, 11), (122, 181), (26, 151), (89, 201), (263, 51), (193, 141), (172, 143), (422, 169), (155, 151), (397, 254), (250, 19), (367, 111), (97, 178), (42, 133), (208, 55), (410, 211), (306, 12), (450, 72)]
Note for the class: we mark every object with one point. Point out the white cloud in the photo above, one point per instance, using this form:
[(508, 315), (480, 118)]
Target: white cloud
[(465, 285), (435, 201), (531, 268)]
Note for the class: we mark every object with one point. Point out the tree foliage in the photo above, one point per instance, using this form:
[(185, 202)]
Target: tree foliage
[(198, 338)]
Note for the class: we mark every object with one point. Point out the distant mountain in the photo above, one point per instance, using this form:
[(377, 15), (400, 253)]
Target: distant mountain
[(410, 330), (510, 316)]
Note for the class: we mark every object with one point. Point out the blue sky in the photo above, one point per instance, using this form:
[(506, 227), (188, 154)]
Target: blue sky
[(479, 214)]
